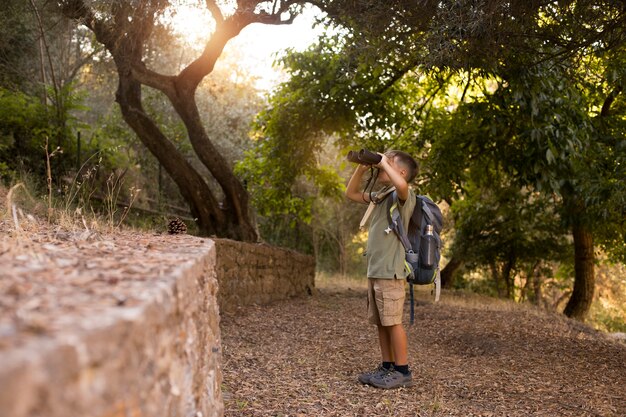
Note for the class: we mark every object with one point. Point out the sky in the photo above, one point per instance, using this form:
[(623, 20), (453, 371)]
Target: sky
[(257, 44)]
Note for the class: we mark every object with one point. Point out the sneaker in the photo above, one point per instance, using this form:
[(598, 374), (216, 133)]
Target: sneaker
[(366, 377), (392, 379)]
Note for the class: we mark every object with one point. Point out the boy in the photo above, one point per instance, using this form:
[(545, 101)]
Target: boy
[(385, 267)]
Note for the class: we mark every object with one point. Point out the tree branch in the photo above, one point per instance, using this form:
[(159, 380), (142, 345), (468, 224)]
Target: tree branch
[(212, 6), (146, 76), (78, 10), (226, 29), (606, 106), (80, 63), (274, 18)]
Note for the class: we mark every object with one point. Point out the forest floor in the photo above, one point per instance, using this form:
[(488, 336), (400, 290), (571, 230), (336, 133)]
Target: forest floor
[(470, 356)]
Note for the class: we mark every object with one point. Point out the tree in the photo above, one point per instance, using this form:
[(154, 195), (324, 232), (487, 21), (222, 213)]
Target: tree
[(398, 62), (17, 45), (124, 28), (501, 221)]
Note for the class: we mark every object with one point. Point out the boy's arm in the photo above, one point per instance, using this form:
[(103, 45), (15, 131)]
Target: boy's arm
[(353, 190), (402, 187)]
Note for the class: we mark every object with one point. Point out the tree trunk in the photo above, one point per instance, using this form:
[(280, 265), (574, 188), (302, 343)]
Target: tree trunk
[(447, 273), (508, 279), (584, 282), (537, 286), (497, 278), (236, 206), (202, 203)]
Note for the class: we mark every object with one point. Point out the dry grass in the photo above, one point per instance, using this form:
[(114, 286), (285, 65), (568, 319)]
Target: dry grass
[(23, 215), (334, 283), (338, 282)]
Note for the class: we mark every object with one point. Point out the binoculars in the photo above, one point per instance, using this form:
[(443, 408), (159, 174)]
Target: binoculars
[(364, 157)]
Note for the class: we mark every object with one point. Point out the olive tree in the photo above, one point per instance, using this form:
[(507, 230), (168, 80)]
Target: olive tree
[(125, 27)]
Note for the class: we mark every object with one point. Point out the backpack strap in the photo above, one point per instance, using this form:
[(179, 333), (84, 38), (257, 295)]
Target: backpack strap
[(396, 224), (412, 316), (378, 198), (367, 215)]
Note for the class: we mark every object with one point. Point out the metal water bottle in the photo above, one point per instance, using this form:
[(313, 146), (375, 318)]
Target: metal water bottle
[(429, 248)]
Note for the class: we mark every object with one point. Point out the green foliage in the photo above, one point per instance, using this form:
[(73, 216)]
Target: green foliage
[(23, 128), (539, 131), (271, 199), (499, 225), (292, 130), (18, 41), (509, 230), (530, 128), (603, 165), (602, 185), (608, 320)]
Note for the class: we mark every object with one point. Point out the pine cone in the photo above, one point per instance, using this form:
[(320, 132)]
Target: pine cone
[(176, 227)]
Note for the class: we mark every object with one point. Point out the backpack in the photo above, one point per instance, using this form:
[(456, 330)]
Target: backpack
[(422, 243)]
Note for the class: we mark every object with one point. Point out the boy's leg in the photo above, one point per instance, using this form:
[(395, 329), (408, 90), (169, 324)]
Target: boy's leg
[(386, 303), (389, 299), (384, 338), (398, 342), (393, 344), (386, 346), (400, 375), (373, 315)]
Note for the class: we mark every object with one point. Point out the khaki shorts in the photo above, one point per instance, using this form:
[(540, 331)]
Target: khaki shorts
[(385, 301)]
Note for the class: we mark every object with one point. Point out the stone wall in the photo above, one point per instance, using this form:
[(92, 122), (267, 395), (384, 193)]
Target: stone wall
[(135, 333), (260, 274), (128, 325)]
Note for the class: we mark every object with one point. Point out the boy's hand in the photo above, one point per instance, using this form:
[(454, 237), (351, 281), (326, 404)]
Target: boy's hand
[(384, 162)]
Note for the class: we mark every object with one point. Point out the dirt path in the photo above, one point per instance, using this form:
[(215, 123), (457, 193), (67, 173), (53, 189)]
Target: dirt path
[(469, 358)]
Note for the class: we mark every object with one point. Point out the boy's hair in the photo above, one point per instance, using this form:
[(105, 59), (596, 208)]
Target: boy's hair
[(407, 162)]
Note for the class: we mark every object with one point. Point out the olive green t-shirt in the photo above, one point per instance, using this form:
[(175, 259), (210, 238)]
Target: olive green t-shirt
[(385, 253)]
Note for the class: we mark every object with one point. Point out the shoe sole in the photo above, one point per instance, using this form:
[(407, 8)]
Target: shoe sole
[(407, 384), (364, 382)]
